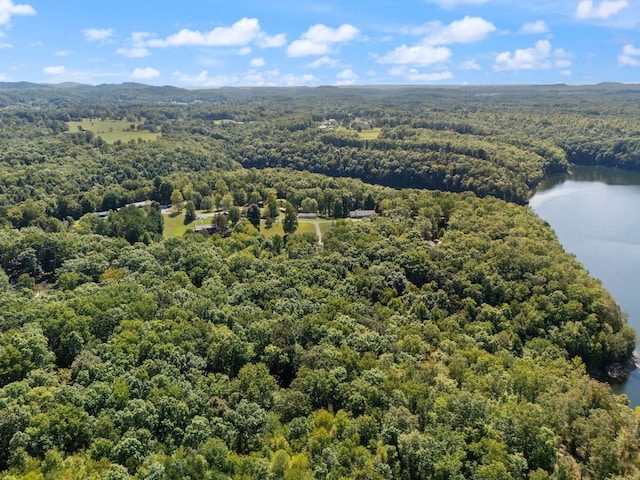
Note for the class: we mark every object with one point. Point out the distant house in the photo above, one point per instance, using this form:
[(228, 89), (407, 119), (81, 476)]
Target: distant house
[(307, 215), (205, 227), (139, 204), (361, 213)]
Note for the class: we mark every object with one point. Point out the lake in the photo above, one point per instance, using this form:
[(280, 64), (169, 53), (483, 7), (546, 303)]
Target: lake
[(595, 213)]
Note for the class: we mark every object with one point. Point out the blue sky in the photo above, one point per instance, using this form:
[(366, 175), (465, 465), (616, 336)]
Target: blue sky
[(207, 43)]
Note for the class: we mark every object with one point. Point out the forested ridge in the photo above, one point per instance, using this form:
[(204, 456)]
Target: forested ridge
[(446, 336)]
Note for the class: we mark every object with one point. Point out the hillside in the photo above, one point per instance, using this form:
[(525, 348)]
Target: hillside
[(446, 336)]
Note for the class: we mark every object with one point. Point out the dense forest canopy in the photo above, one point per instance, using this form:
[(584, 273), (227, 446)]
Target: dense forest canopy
[(446, 336)]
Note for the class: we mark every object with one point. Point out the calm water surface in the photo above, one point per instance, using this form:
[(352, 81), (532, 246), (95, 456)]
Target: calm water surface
[(596, 214)]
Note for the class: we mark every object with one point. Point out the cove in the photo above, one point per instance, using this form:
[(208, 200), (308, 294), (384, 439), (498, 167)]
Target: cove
[(595, 213)]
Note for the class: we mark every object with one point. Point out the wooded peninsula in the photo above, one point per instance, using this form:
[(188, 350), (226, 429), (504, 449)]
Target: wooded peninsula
[(340, 283)]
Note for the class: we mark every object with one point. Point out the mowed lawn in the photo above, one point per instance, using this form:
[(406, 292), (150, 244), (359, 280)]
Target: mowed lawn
[(113, 130), (369, 134), (174, 226)]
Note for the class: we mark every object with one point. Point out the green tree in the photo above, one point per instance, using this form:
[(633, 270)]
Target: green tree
[(190, 212), (272, 209), (309, 205), (290, 219), (234, 214), (207, 203), (177, 200), (253, 215)]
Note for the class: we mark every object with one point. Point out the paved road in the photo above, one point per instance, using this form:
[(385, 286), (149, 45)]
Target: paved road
[(318, 233)]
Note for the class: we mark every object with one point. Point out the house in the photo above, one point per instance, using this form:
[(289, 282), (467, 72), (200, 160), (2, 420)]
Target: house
[(205, 227), (361, 213), (307, 215)]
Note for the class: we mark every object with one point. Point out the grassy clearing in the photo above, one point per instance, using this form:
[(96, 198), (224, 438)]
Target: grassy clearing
[(275, 229), (174, 225), (113, 130), (369, 134)]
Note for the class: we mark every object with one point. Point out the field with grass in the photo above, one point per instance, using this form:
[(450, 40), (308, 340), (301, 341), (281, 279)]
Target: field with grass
[(369, 134), (113, 130), (174, 225)]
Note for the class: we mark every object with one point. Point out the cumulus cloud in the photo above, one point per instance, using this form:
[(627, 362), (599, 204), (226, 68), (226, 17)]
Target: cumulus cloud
[(470, 65), (257, 62), (8, 9), (324, 62), (630, 56), (101, 35), (419, 55), (137, 48), (534, 28), (241, 33), (265, 41), (319, 39), (54, 70), (346, 77), (413, 75), (145, 73), (63, 53), (540, 57), (252, 78), (133, 52), (467, 30), (586, 9)]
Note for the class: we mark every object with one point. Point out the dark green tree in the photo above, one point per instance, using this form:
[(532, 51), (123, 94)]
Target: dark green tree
[(253, 215), (290, 223), (189, 213)]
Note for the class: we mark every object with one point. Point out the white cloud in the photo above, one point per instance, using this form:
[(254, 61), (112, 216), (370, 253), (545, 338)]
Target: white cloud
[(540, 57), (319, 38), (3, 77), (133, 52), (467, 30), (145, 73), (470, 65), (630, 56), (54, 70), (302, 48), (241, 33), (138, 49), (324, 62), (346, 77), (5, 46), (534, 28), (7, 9), (586, 10), (102, 35), (251, 78), (244, 51), (413, 75), (419, 55), (257, 62), (63, 53), (265, 41)]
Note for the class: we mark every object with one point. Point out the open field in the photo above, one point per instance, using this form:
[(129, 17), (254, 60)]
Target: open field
[(174, 225), (369, 134), (113, 130)]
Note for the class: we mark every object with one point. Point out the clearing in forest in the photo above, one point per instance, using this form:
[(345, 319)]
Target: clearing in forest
[(113, 130)]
